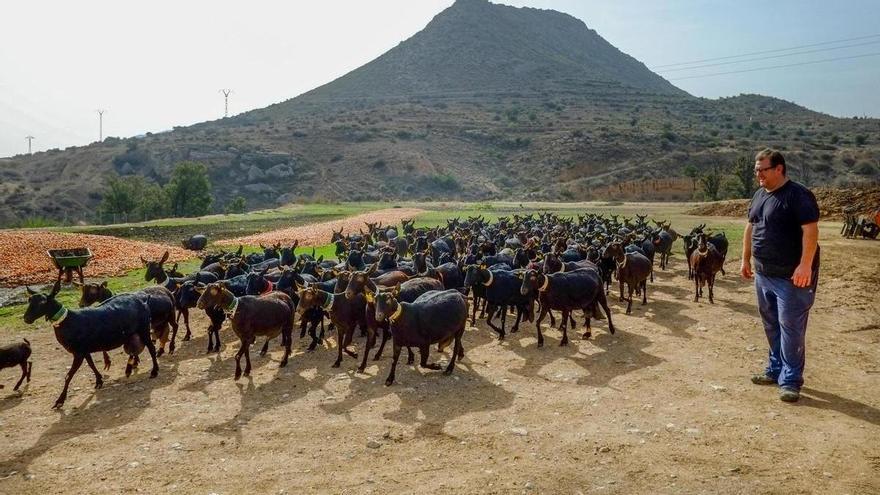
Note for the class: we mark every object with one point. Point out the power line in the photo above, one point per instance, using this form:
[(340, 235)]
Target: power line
[(770, 57), (778, 66), (766, 51)]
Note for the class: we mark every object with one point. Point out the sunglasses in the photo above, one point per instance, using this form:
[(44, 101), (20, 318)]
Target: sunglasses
[(759, 170)]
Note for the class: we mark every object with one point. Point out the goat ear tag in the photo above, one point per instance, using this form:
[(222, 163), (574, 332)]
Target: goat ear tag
[(370, 298)]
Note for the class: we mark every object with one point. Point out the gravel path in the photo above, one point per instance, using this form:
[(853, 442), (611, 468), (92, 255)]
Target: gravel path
[(319, 234)]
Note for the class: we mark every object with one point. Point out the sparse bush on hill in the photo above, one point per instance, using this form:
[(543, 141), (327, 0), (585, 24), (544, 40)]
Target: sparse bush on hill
[(866, 169)]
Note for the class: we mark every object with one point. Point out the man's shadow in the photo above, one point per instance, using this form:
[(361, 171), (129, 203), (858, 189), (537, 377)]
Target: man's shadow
[(811, 397)]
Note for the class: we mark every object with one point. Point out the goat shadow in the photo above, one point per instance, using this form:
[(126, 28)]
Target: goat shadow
[(106, 409), (439, 398), (287, 385), (621, 348)]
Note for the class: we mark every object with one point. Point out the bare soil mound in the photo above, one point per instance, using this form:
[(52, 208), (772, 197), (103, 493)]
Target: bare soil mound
[(833, 203), (23, 258), (319, 234)]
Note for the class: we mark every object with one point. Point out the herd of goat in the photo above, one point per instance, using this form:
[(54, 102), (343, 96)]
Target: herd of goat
[(415, 286)]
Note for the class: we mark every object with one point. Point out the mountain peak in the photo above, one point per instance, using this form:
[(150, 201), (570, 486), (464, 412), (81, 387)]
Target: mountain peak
[(477, 47)]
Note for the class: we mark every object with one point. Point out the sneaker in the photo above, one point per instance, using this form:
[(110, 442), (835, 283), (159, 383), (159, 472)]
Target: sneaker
[(787, 394), (763, 379)]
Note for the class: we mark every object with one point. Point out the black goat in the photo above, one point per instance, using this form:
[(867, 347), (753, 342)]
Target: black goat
[(434, 317), (17, 355), (121, 321)]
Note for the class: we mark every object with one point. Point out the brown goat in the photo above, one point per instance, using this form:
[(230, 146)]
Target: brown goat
[(252, 316), (706, 262)]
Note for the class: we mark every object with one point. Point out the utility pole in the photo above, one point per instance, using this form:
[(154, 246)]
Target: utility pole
[(226, 93), (101, 124), (29, 139)]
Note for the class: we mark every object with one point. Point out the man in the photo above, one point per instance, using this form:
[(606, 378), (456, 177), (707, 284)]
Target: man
[(782, 236)]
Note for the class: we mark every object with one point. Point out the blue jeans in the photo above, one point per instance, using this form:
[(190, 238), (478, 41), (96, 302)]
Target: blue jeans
[(784, 310)]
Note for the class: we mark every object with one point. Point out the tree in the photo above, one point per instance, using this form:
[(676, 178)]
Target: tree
[(692, 172), (153, 202), (712, 182), (744, 171), (189, 190), (121, 195)]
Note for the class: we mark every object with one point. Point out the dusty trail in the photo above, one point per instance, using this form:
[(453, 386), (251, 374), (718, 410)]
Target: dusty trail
[(663, 406)]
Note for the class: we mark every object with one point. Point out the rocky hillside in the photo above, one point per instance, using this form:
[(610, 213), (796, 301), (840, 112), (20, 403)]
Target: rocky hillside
[(488, 101)]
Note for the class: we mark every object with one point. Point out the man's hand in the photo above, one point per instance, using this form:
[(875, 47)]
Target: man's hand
[(746, 270), (803, 275)]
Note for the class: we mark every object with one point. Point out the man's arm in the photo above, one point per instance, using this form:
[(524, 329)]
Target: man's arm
[(803, 274), (746, 268)]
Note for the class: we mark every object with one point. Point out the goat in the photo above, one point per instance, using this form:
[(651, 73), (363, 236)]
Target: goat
[(122, 320), (345, 313), (17, 355), (162, 311), (633, 269), (434, 317), (706, 261), (502, 290), (566, 292), (252, 316)]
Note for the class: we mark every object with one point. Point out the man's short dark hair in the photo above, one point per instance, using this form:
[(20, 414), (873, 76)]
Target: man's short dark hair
[(775, 157)]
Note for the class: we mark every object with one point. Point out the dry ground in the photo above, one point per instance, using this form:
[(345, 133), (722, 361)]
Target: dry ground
[(663, 406)]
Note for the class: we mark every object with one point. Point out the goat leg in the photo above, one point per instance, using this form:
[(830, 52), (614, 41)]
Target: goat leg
[(106, 361), (25, 373), (563, 325), (390, 379), (99, 380), (287, 341), (152, 349), (77, 362), (457, 350), (238, 360), (185, 313), (265, 348), (424, 352), (544, 312)]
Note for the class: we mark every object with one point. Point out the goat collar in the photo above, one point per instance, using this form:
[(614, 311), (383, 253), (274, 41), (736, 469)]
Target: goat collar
[(396, 315), (231, 308), (58, 317), (546, 283), (704, 252), (167, 283), (269, 288), (562, 270), (491, 279), (329, 302), (621, 265)]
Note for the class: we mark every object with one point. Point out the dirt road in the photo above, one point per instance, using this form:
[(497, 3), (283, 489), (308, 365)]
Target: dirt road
[(662, 406)]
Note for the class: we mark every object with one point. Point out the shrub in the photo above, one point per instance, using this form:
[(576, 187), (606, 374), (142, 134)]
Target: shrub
[(865, 168), (861, 139), (237, 205)]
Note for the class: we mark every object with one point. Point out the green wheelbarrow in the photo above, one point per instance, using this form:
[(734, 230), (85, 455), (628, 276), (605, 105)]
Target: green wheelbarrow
[(69, 260)]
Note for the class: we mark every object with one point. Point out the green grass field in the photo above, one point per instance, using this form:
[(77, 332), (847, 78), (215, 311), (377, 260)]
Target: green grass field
[(435, 214)]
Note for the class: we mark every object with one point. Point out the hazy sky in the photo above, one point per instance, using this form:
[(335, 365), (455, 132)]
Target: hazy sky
[(154, 65)]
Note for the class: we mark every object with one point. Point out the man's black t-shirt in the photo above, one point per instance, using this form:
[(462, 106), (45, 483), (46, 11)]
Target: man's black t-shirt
[(777, 238)]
